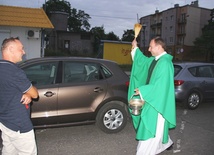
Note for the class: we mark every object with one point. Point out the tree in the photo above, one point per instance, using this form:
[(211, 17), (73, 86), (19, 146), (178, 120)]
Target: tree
[(78, 21), (205, 43), (112, 36), (128, 35), (99, 34)]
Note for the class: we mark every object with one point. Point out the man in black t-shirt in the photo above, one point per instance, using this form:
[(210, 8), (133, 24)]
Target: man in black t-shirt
[(16, 92)]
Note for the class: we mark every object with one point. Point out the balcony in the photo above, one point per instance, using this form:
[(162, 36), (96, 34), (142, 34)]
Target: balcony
[(181, 33), (159, 24), (182, 21)]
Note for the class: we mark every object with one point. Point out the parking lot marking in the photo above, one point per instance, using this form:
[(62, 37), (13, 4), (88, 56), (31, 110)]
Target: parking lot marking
[(182, 127)]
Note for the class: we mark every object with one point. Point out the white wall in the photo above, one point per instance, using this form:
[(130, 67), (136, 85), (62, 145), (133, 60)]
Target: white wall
[(3, 34), (32, 45)]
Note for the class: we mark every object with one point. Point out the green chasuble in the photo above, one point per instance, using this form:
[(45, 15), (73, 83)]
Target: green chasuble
[(159, 95)]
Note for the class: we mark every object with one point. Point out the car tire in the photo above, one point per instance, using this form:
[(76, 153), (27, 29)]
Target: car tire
[(193, 100), (112, 117)]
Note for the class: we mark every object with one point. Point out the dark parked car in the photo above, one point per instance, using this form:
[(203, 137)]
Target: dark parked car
[(76, 90), (194, 83)]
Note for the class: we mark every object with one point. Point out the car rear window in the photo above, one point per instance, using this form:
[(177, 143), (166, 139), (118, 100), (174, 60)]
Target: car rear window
[(193, 71), (202, 71), (177, 69), (81, 72)]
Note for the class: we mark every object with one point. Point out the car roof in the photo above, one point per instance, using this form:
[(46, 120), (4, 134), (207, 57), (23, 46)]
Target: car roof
[(192, 63), (67, 59)]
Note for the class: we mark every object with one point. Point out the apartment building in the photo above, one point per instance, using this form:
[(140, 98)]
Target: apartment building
[(178, 26)]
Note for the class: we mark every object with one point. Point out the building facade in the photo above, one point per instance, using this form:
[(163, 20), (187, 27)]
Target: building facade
[(60, 40), (178, 26), (27, 24)]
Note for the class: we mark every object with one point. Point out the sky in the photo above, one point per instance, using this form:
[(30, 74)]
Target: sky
[(114, 15)]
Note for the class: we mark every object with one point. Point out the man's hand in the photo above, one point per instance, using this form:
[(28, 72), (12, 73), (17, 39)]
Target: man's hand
[(33, 92), (26, 99)]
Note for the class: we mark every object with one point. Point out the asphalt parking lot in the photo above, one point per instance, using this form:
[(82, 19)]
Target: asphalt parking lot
[(193, 135)]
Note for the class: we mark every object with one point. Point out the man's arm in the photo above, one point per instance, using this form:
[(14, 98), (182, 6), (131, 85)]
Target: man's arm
[(31, 93)]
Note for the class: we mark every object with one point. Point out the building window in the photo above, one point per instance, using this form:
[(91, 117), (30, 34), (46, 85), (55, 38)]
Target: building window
[(183, 17), (182, 29), (171, 39), (169, 51), (66, 44), (180, 41), (171, 28), (172, 17)]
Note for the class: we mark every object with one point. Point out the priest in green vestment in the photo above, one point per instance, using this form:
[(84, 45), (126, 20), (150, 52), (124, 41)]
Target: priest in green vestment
[(152, 78)]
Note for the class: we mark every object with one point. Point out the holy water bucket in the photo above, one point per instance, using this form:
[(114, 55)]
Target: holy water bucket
[(136, 105)]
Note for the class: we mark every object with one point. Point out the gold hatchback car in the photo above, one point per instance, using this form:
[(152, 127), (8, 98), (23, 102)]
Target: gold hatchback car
[(74, 90)]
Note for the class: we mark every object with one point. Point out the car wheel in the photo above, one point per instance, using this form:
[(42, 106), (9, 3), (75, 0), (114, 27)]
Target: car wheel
[(112, 117), (193, 100)]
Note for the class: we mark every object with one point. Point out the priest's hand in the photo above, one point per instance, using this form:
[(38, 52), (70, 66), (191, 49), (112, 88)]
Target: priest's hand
[(137, 92), (134, 43)]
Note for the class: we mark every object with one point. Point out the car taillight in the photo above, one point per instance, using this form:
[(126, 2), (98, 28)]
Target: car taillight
[(127, 83), (178, 82)]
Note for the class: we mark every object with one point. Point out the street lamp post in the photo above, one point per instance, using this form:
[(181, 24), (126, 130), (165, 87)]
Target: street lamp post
[(144, 38)]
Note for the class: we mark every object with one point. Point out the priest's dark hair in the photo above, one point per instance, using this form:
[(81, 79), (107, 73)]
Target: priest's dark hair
[(158, 40)]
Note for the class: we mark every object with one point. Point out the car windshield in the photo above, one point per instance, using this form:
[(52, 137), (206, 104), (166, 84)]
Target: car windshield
[(177, 69)]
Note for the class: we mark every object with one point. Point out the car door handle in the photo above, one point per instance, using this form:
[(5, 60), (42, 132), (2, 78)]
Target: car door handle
[(98, 89), (49, 94)]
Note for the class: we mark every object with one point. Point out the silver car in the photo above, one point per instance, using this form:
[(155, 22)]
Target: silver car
[(194, 83)]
